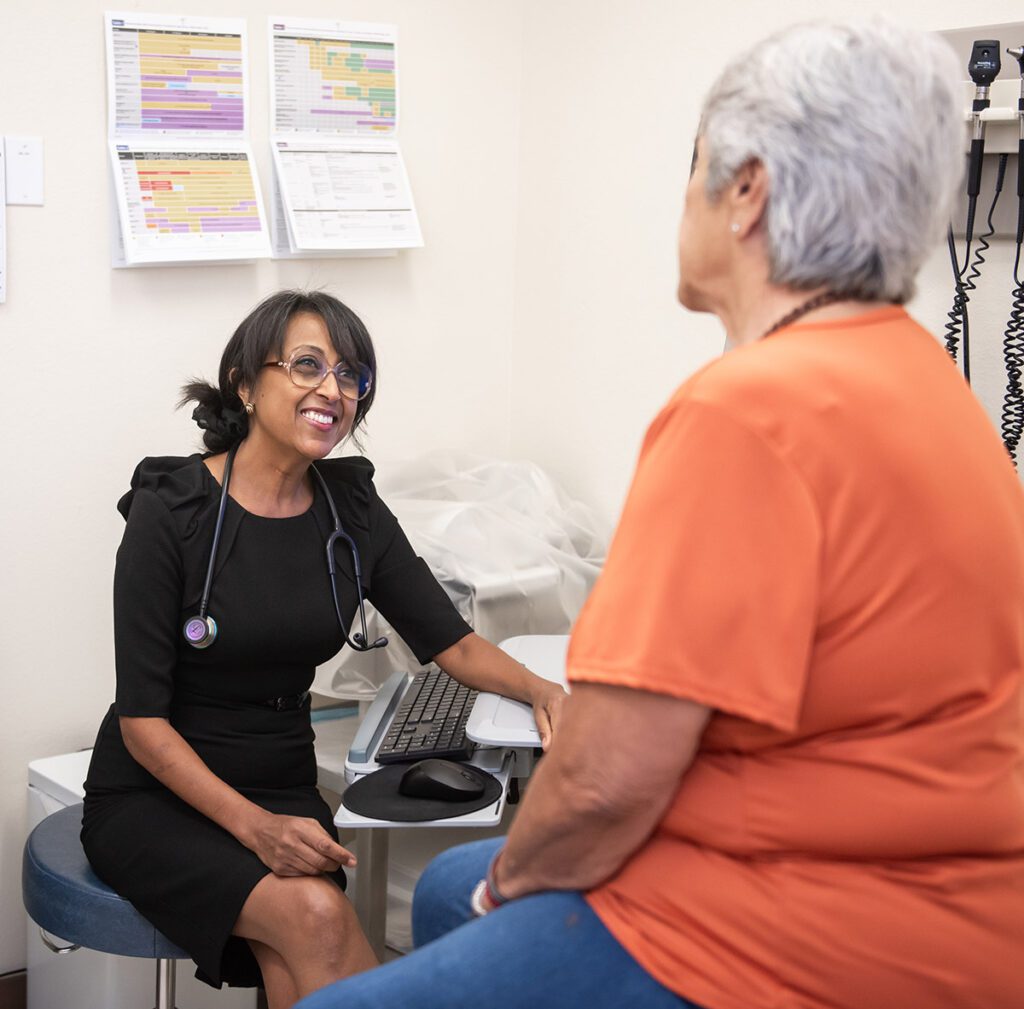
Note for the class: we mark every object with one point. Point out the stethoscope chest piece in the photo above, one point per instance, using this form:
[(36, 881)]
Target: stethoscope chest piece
[(200, 632)]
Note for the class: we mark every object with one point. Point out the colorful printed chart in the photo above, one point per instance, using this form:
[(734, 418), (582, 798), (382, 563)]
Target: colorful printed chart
[(193, 193), (184, 179), (168, 80), (334, 81), (188, 204)]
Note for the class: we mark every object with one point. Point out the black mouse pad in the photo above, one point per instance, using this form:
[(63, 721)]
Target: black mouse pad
[(376, 796)]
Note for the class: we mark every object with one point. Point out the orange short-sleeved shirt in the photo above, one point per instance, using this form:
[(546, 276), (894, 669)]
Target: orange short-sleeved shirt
[(824, 542)]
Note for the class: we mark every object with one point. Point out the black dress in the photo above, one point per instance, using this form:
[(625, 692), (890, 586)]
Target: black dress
[(271, 600)]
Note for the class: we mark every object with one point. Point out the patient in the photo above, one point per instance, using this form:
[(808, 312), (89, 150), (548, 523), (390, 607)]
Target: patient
[(789, 771)]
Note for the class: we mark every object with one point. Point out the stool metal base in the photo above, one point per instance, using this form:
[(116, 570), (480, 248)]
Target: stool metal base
[(54, 948), (164, 984)]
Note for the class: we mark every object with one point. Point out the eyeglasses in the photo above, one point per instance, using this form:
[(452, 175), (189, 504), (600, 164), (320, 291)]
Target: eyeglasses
[(308, 370)]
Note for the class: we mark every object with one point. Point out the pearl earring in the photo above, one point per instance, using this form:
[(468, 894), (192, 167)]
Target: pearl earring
[(734, 227)]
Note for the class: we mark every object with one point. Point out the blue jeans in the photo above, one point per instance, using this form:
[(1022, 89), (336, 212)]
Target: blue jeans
[(546, 951)]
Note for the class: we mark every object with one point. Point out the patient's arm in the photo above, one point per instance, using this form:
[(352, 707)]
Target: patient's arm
[(597, 795), (476, 662)]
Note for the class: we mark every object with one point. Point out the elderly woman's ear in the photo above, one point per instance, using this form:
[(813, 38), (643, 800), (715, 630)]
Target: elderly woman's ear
[(748, 197)]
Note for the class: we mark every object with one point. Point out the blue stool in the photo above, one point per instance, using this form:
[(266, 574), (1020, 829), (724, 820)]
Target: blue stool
[(64, 897)]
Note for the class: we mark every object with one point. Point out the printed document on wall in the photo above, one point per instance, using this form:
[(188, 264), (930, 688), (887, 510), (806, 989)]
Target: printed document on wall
[(177, 109), (283, 246), (334, 126), (346, 196)]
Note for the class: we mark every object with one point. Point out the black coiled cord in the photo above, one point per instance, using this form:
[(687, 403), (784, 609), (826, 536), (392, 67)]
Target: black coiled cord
[(983, 243), (958, 319), (965, 278), (1011, 424)]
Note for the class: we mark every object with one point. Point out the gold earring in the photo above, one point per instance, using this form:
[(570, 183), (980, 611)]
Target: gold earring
[(250, 409)]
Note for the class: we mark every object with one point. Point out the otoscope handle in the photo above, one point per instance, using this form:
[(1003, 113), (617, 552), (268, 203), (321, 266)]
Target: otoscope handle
[(974, 169), (1020, 168), (1020, 192)]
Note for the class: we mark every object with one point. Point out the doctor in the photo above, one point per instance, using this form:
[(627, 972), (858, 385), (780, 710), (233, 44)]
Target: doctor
[(201, 804), (792, 776)]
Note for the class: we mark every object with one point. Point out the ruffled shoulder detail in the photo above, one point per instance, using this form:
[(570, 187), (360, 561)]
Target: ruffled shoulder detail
[(348, 477), (181, 483), (187, 489), (349, 468), (350, 480)]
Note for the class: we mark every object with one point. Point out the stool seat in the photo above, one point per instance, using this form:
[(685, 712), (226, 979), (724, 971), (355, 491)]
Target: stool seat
[(65, 897)]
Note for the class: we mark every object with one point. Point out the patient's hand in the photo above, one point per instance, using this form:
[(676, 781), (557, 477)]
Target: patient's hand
[(297, 846), (547, 704)]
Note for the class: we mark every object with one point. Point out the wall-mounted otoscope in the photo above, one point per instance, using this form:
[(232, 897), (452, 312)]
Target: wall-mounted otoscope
[(984, 67)]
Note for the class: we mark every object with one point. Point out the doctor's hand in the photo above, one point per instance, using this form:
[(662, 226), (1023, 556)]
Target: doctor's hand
[(547, 701), (297, 846)]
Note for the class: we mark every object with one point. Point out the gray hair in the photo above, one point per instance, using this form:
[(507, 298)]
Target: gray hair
[(860, 128)]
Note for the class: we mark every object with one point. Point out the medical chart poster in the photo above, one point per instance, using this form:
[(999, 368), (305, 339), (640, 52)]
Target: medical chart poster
[(176, 76), (333, 77), (187, 203)]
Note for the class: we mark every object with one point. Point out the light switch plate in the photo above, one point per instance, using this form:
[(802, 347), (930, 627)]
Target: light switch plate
[(24, 157)]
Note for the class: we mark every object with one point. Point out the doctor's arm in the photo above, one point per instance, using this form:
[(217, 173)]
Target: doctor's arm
[(478, 664), (594, 800)]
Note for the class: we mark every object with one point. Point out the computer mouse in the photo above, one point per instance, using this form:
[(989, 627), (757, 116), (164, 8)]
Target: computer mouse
[(441, 779)]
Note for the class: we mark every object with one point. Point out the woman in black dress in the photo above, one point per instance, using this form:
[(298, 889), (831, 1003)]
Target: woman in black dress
[(201, 803)]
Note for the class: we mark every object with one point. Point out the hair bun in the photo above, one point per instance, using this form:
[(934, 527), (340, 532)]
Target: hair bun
[(226, 425)]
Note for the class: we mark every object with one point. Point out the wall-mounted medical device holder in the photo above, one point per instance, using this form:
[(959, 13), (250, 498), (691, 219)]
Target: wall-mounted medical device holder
[(1000, 118), (994, 114)]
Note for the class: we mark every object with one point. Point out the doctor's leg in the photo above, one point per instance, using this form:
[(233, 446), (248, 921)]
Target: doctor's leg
[(311, 926)]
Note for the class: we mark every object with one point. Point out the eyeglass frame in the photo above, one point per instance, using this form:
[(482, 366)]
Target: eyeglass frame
[(335, 371)]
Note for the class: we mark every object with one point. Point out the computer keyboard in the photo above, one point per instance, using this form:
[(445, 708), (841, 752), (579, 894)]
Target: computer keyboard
[(430, 721)]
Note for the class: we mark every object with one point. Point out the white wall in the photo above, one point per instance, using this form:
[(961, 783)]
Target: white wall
[(611, 100), (538, 321)]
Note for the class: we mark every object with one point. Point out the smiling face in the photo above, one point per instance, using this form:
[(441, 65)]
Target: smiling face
[(294, 421)]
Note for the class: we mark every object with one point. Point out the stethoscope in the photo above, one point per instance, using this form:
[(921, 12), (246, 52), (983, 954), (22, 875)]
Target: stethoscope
[(201, 630)]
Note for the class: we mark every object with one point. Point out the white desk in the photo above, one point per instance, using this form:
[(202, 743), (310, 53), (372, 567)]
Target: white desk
[(504, 731)]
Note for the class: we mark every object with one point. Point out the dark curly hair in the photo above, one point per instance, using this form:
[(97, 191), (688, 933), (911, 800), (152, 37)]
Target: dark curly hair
[(260, 335)]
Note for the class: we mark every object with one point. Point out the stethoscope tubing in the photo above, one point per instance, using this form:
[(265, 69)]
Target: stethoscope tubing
[(201, 631)]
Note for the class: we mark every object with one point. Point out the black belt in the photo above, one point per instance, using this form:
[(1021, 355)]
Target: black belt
[(287, 703)]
